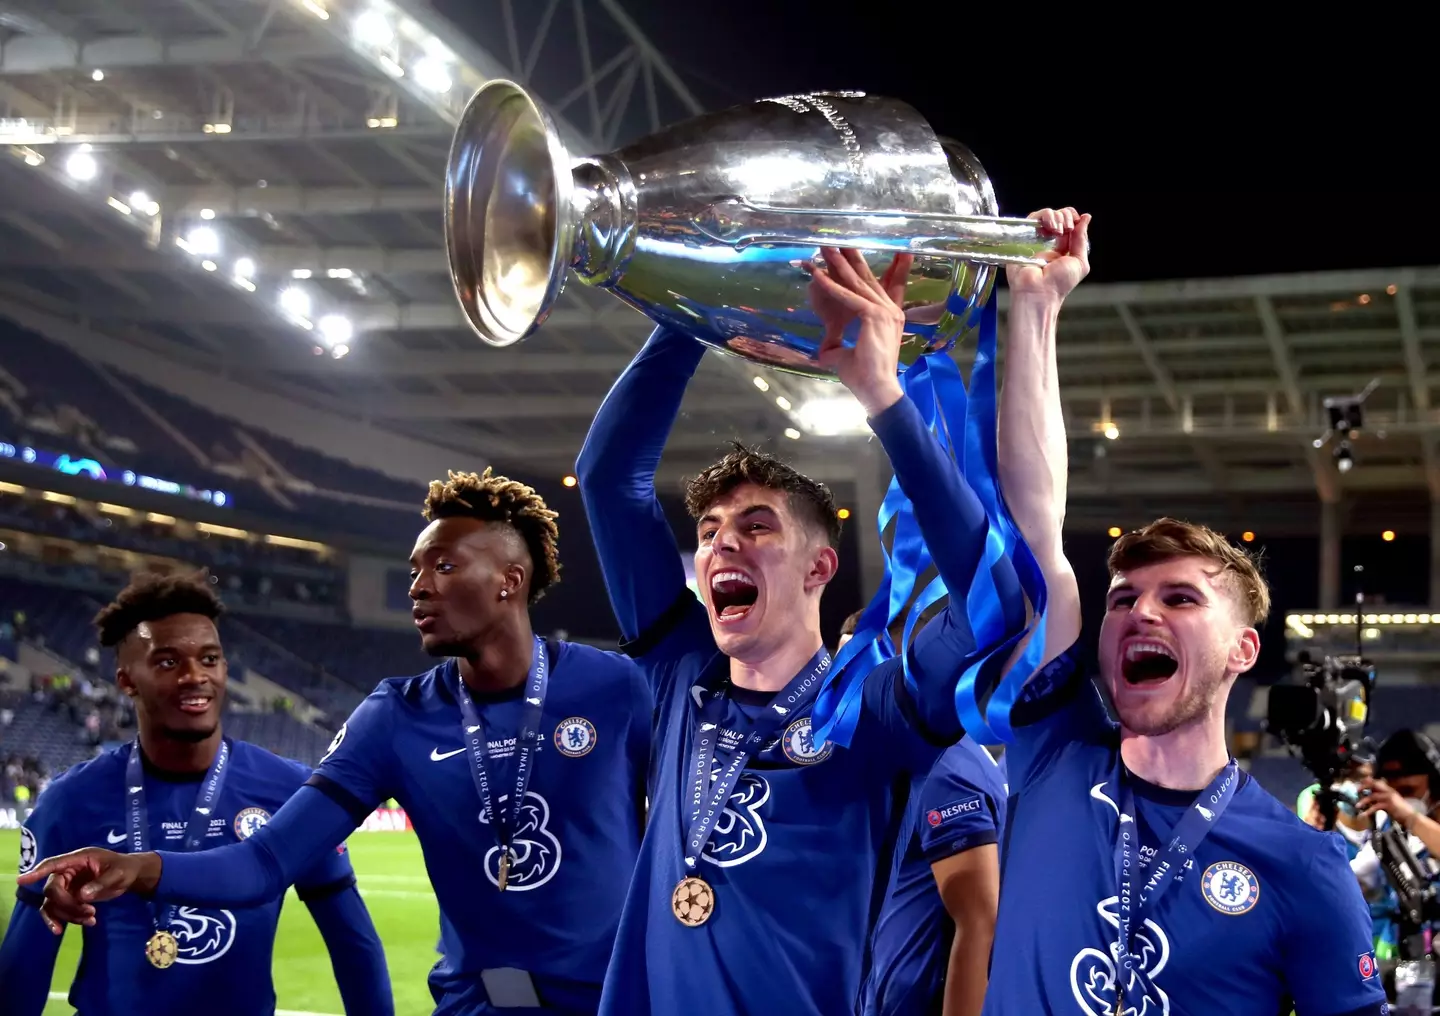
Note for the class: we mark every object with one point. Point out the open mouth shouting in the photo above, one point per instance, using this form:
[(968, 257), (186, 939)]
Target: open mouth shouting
[(1146, 661), (732, 594)]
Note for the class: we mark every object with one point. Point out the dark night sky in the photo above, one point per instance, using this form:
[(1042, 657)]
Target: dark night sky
[(1197, 157)]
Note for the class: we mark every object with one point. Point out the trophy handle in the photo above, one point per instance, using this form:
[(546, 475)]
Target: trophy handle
[(983, 239)]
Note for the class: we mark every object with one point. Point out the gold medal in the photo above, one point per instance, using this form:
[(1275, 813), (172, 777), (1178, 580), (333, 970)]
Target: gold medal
[(693, 901), (161, 950), (505, 860)]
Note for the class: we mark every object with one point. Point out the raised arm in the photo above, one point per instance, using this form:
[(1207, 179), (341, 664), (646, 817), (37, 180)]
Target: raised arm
[(1032, 451), (616, 469), (949, 515)]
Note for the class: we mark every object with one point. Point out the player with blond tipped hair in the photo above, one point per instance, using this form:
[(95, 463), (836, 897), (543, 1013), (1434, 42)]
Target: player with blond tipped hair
[(529, 895)]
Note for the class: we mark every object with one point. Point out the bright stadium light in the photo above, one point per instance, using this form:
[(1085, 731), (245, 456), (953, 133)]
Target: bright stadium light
[(244, 268), (372, 28), (830, 416), (82, 166), (295, 301), (432, 75), (336, 329), (203, 240)]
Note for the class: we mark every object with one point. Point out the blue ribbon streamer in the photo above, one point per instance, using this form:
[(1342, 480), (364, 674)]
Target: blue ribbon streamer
[(965, 425)]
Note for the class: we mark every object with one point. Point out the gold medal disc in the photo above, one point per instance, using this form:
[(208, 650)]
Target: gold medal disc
[(693, 901), (161, 950)]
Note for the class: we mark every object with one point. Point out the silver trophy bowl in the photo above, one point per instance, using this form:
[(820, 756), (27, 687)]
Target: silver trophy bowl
[(706, 227)]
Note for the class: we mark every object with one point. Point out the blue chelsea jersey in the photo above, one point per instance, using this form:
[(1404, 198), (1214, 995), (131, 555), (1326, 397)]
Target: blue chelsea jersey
[(793, 858), (960, 806), (224, 956), (1266, 911), (577, 834)]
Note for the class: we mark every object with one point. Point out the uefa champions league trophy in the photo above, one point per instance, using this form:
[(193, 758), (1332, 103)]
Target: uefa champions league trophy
[(706, 226)]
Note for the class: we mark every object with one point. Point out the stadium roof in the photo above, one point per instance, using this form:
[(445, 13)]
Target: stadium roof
[(309, 136)]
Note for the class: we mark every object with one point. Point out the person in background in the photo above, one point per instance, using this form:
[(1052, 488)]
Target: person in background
[(930, 952), (1404, 796), (184, 786)]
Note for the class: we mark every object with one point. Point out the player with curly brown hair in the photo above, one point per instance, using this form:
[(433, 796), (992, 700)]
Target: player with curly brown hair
[(519, 761)]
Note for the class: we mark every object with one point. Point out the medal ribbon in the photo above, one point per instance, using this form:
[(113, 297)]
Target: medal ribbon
[(1167, 869), (502, 821), (195, 828), (706, 809)]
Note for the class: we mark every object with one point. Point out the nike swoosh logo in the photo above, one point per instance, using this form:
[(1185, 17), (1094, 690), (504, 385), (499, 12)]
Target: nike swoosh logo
[(1098, 792), (112, 838), (436, 756)]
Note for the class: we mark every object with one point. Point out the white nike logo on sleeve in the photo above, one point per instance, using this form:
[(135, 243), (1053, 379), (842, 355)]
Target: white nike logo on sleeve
[(114, 837), (437, 756)]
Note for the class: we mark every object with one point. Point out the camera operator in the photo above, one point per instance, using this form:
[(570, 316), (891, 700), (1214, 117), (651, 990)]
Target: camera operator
[(1408, 788), (1352, 826), (1403, 796)]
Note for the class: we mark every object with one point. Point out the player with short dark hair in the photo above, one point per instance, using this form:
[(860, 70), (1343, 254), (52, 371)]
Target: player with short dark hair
[(757, 881), (183, 786), (529, 896), (1145, 872)]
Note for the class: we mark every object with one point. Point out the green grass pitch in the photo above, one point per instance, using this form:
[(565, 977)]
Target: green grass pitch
[(392, 879)]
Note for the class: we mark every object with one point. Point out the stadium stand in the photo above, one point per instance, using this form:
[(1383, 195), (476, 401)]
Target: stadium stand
[(145, 429), (280, 698)]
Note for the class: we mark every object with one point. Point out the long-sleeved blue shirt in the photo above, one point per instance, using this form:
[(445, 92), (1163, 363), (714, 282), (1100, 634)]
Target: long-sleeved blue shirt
[(793, 860)]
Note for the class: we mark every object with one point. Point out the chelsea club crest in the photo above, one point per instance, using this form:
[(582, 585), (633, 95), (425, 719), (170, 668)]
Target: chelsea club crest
[(575, 736), (1230, 888), (248, 822), (800, 746)]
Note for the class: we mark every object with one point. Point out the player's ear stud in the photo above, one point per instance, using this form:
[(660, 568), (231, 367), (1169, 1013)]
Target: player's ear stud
[(504, 593)]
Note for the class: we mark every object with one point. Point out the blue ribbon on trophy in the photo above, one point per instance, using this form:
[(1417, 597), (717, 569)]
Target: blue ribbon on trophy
[(965, 425)]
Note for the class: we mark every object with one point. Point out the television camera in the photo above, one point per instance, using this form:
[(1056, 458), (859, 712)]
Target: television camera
[(1323, 720)]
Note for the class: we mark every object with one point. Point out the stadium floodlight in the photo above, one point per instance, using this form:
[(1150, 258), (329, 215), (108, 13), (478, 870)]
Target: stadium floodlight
[(372, 28), (244, 268), (82, 166), (336, 330), (203, 241), (831, 416), (142, 202), (432, 75), (295, 300)]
